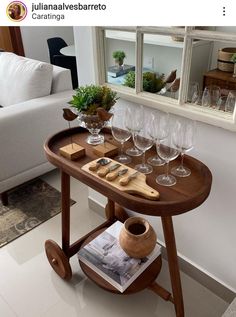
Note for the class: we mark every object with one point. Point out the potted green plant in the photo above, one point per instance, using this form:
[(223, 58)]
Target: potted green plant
[(151, 81), (233, 59), (119, 57), (92, 103)]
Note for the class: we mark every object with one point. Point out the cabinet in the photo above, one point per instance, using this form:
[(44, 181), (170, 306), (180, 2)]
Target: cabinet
[(224, 80)]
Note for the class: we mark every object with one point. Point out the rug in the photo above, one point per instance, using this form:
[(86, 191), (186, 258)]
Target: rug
[(29, 205)]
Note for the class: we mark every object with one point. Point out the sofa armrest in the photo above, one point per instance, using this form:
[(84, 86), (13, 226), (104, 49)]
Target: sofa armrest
[(24, 128), (61, 79)]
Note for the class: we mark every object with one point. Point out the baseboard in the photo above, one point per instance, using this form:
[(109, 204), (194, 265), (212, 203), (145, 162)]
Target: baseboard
[(188, 268), (231, 310), (96, 207)]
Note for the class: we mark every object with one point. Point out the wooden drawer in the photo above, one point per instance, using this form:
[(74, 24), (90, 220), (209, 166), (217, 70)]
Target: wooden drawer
[(215, 81)]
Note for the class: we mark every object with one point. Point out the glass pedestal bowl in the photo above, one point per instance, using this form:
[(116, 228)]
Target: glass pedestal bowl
[(94, 124)]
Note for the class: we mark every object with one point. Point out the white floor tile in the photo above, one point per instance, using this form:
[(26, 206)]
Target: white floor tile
[(5, 310)]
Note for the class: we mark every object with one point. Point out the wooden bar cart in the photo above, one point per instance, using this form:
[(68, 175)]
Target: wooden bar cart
[(186, 195)]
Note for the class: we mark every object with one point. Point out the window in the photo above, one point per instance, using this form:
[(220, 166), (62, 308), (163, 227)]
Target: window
[(182, 70), (119, 56)]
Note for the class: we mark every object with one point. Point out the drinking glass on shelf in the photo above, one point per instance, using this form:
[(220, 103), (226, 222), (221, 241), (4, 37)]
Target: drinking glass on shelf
[(198, 100), (215, 95), (193, 92), (206, 97), (221, 103), (134, 120), (120, 134), (158, 127), (183, 139), (143, 142), (168, 152), (230, 102)]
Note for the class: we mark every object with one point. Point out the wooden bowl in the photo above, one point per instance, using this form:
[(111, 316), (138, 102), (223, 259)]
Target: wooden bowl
[(137, 237)]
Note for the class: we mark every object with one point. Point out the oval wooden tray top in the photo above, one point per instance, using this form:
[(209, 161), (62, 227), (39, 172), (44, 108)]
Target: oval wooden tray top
[(187, 194)]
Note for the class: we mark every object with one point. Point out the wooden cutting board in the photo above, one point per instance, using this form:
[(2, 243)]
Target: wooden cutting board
[(135, 186)]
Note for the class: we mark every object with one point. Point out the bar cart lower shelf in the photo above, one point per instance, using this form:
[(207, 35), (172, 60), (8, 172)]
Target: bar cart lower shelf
[(143, 281), (188, 194)]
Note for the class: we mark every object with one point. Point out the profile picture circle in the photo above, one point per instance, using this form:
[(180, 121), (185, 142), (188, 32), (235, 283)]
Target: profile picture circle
[(16, 11)]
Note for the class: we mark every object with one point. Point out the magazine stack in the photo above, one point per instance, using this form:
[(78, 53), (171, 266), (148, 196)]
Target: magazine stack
[(105, 256)]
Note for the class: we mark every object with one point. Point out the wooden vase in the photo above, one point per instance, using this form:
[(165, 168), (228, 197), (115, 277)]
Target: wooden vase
[(137, 237)]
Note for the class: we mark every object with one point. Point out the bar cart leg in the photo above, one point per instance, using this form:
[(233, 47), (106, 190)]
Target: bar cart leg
[(65, 211), (57, 257), (115, 211), (4, 198), (110, 210), (168, 230)]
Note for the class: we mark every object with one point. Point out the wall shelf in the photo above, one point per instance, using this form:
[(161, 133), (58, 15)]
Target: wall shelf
[(152, 39)]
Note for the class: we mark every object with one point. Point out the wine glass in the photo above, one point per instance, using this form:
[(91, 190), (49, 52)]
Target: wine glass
[(168, 152), (183, 138), (121, 135), (206, 97), (230, 102), (143, 142), (158, 129), (134, 117)]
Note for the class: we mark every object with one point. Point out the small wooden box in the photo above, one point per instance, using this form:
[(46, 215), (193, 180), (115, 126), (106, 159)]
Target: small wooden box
[(72, 151), (105, 149)]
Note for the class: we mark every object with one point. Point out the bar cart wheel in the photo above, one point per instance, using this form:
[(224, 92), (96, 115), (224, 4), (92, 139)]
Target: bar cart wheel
[(58, 260)]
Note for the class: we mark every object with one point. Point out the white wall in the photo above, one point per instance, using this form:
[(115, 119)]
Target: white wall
[(206, 236), (35, 39), (86, 73)]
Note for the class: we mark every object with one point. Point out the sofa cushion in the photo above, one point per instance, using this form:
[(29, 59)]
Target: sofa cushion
[(22, 79)]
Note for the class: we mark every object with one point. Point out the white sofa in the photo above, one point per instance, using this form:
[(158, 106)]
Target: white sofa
[(32, 95)]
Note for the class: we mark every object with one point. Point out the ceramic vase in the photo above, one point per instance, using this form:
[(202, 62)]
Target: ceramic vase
[(137, 237)]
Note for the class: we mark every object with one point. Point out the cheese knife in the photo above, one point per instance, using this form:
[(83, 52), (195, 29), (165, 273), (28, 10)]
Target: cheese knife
[(113, 175), (125, 180), (101, 162), (104, 171)]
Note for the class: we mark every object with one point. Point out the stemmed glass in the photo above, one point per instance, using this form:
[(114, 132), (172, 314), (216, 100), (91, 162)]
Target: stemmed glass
[(143, 142), (134, 117), (120, 134), (158, 130), (168, 152), (183, 138)]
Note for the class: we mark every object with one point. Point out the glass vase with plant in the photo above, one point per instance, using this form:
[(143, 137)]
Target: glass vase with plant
[(92, 103)]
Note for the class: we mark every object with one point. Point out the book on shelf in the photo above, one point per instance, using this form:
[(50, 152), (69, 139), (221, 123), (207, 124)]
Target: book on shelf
[(105, 256), (115, 71)]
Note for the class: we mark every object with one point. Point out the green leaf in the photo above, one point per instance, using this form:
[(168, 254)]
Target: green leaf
[(88, 98)]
